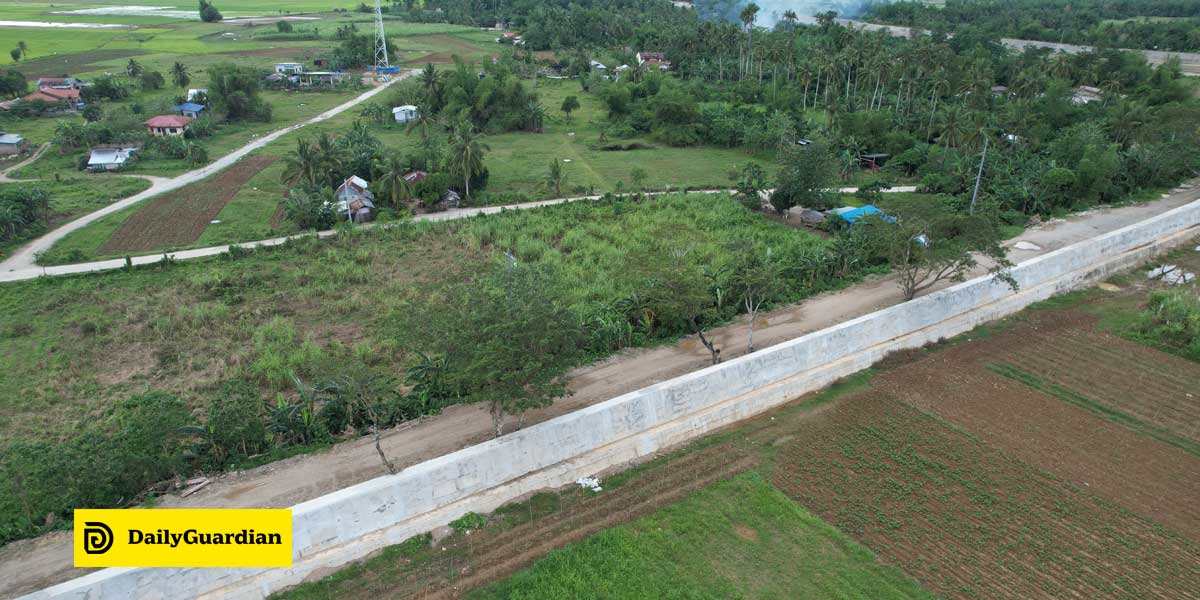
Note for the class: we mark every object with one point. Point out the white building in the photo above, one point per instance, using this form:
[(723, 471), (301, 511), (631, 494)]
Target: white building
[(404, 114), (195, 93), (110, 158), (289, 68)]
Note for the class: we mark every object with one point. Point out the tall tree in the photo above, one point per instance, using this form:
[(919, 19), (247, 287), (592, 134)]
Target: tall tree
[(748, 15), (758, 277), (926, 243), (554, 178), (466, 155), (390, 181), (507, 338), (179, 75)]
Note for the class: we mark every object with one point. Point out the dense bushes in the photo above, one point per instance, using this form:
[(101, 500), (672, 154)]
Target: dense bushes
[(1173, 319), (22, 208), (108, 461)]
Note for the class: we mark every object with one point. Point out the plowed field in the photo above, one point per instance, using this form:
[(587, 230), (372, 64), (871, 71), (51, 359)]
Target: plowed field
[(969, 521), (178, 217)]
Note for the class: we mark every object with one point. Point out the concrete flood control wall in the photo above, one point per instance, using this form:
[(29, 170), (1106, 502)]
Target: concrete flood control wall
[(349, 524)]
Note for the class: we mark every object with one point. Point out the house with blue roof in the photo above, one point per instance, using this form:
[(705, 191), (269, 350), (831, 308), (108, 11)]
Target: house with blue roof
[(190, 109)]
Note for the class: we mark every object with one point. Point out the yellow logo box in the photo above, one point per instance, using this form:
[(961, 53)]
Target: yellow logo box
[(183, 538)]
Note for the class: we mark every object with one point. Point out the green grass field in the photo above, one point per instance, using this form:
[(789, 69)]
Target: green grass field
[(90, 53), (517, 162), (740, 538)]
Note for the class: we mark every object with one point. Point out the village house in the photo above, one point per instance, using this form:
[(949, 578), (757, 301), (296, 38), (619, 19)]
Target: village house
[(110, 158), (322, 77), (354, 200), (167, 125), (1086, 94), (415, 176), (289, 68), (651, 60), (12, 144), (404, 114), (509, 37), (598, 66), (60, 83), (189, 109), (63, 99)]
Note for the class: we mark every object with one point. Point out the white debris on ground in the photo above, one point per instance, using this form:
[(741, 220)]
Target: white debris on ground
[(1171, 275), (1026, 246), (591, 483)]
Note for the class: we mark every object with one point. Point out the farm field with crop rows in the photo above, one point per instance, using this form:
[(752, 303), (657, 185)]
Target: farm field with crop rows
[(965, 478)]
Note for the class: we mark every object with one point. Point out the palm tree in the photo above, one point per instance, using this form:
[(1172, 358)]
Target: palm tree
[(24, 48), (790, 17), (179, 74), (951, 125), (554, 178), (301, 165), (431, 82), (329, 160), (390, 181), (466, 154), (748, 15)]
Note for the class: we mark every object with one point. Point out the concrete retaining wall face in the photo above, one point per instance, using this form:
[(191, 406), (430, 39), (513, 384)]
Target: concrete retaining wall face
[(346, 525)]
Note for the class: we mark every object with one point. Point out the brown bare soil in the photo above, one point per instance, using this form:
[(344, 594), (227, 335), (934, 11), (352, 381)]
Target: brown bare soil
[(968, 520), (1123, 465), (1155, 387), (56, 66), (180, 217), (516, 537)]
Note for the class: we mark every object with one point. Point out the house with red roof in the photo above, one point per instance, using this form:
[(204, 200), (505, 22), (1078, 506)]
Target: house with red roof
[(67, 98), (167, 125), (651, 60)]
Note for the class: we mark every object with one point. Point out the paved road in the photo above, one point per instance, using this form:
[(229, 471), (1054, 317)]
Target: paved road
[(29, 565), (26, 257), (1190, 62), (32, 271)]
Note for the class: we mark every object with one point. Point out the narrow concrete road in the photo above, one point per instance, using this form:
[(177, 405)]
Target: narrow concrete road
[(26, 256), (29, 565), (21, 273), (1189, 61), (4, 178)]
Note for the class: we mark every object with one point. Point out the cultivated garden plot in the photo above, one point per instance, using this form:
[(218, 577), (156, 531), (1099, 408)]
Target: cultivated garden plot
[(179, 217)]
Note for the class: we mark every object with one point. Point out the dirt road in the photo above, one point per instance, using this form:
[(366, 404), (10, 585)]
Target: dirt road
[(33, 564), (25, 258), (4, 178), (18, 273)]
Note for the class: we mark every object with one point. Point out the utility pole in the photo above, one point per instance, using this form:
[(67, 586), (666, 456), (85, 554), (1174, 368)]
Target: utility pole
[(979, 175)]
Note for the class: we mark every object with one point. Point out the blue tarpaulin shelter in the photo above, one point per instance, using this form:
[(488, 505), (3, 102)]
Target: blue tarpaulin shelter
[(855, 215)]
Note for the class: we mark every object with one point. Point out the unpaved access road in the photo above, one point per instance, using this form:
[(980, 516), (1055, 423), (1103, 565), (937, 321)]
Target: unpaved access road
[(25, 258), (29, 565), (18, 273)]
